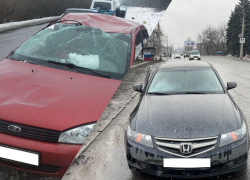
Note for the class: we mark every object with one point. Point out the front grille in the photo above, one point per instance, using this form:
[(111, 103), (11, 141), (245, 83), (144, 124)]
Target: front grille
[(40, 168), (198, 146), (188, 172), (30, 132)]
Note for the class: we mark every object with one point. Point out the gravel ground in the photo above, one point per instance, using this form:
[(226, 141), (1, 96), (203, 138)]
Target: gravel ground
[(12, 174)]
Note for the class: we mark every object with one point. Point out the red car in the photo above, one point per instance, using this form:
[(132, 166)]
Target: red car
[(55, 86)]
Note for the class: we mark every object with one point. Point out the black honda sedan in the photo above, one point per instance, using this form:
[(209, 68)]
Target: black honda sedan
[(186, 124)]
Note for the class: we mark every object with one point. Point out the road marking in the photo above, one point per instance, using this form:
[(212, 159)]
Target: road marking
[(11, 37)]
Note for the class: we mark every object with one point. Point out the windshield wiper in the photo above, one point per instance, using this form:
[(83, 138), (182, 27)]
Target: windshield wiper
[(79, 69), (193, 92), (174, 93), (159, 93)]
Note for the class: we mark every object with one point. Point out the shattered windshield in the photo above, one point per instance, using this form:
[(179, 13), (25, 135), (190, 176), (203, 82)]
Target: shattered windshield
[(82, 46)]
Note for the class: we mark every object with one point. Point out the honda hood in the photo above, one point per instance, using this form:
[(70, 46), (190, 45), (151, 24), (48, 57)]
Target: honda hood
[(186, 116)]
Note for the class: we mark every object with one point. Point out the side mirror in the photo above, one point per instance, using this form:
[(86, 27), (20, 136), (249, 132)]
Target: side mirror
[(231, 85), (137, 87)]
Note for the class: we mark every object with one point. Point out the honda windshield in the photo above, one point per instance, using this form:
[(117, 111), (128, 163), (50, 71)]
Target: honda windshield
[(194, 81), (84, 47)]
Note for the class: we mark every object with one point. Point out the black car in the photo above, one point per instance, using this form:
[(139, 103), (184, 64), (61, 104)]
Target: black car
[(186, 54), (186, 124)]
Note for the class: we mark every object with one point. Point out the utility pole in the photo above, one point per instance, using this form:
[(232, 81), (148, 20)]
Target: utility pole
[(243, 29), (159, 38), (167, 46)]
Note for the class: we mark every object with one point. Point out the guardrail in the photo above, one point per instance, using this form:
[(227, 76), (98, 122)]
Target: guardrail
[(21, 24)]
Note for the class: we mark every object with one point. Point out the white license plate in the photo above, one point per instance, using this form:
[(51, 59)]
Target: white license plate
[(19, 155), (187, 163)]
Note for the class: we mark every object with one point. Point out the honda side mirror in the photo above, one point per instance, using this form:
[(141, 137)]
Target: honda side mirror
[(137, 87), (231, 85)]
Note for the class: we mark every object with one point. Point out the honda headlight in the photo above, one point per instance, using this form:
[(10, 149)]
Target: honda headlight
[(143, 139), (77, 135), (231, 137)]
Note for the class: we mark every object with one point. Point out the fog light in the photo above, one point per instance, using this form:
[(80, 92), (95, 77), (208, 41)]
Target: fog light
[(230, 164), (142, 164)]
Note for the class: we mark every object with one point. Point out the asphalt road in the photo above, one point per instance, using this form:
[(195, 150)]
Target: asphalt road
[(10, 40), (105, 158)]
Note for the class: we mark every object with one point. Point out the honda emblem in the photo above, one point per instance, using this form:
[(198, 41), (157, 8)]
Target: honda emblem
[(186, 148)]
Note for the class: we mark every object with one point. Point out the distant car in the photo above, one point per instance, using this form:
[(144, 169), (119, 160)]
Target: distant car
[(186, 124), (55, 86), (177, 56), (195, 55), (186, 54)]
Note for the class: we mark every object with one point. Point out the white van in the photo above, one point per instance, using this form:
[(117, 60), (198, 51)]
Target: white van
[(101, 4), (109, 7)]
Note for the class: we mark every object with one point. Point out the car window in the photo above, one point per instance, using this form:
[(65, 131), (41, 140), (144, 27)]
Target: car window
[(195, 52), (83, 46), (185, 81), (105, 5), (138, 43)]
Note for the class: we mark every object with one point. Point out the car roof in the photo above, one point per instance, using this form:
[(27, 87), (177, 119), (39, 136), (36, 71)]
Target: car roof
[(107, 23), (185, 64)]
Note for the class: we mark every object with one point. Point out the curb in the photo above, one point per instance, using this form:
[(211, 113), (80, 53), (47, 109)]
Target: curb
[(21, 24), (101, 124), (232, 58)]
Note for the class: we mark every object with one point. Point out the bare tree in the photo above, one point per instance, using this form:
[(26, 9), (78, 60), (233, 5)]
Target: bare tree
[(213, 39), (212, 35), (222, 29)]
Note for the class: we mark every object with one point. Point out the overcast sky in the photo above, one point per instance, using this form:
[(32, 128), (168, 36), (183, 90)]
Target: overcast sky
[(186, 18)]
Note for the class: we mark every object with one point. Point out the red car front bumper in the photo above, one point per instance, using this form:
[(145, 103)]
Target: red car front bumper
[(55, 158)]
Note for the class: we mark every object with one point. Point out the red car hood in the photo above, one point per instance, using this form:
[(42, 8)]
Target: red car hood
[(50, 98)]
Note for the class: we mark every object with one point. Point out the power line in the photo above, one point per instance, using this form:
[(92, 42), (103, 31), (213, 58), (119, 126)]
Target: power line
[(196, 18)]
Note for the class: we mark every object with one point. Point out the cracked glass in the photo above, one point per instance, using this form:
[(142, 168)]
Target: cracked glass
[(83, 46)]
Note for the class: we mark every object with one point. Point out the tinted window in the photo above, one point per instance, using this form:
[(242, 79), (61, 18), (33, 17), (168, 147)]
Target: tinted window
[(102, 5), (186, 81)]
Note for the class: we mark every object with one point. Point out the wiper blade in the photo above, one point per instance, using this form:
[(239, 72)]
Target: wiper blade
[(193, 92), (159, 93), (59, 21), (79, 69)]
